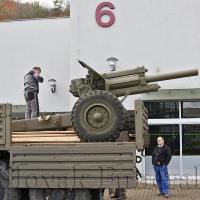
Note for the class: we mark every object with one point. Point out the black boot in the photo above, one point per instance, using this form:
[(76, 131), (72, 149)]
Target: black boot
[(114, 196), (116, 193), (122, 197)]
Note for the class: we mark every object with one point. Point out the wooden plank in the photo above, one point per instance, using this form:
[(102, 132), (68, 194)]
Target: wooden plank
[(45, 135), (131, 139), (44, 132), (46, 139)]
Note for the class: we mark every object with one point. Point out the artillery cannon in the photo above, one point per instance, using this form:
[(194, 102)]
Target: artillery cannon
[(99, 115)]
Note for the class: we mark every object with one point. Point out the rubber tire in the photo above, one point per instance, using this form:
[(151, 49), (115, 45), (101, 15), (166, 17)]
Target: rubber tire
[(37, 194), (95, 194), (25, 194), (7, 193), (62, 194), (115, 111), (82, 194)]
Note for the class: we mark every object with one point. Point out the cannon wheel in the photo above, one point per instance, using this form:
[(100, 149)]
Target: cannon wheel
[(98, 116)]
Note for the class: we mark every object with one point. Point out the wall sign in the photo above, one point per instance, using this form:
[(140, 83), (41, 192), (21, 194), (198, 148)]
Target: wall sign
[(99, 13)]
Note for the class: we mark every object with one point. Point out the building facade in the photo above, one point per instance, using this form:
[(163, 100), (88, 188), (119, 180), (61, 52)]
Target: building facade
[(161, 35)]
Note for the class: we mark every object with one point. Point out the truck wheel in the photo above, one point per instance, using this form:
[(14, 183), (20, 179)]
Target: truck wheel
[(59, 194), (37, 194), (96, 195), (82, 194), (7, 193), (98, 116)]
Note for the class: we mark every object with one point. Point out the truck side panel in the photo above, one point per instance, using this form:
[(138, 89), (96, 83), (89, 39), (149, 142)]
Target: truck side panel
[(5, 126), (75, 165), (141, 125)]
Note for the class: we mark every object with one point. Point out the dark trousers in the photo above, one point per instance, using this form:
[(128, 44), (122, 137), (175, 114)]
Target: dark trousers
[(32, 106)]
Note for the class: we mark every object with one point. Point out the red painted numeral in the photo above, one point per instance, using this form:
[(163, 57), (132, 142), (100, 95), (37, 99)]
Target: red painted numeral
[(100, 13)]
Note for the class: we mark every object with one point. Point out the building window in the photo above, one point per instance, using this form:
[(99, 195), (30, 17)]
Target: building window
[(190, 109), (191, 139), (159, 110)]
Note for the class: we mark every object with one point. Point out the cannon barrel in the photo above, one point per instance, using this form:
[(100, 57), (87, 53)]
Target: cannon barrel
[(121, 82), (172, 75), (138, 83)]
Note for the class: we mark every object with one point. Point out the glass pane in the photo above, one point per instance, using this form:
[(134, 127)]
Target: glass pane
[(190, 109), (158, 110), (191, 139), (170, 134)]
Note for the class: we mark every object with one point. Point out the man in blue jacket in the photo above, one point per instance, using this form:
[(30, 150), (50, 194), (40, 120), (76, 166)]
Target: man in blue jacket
[(31, 90), (160, 159)]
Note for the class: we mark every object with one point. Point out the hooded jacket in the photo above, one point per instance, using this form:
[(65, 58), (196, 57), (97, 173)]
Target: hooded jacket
[(31, 80)]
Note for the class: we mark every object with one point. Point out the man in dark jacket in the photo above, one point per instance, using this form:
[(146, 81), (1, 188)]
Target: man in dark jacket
[(160, 159), (31, 90)]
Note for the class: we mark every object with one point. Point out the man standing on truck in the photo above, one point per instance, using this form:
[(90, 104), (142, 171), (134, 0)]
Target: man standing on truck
[(31, 90), (160, 159)]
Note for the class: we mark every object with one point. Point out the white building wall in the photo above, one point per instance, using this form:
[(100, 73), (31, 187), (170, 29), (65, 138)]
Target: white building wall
[(162, 35), (28, 43)]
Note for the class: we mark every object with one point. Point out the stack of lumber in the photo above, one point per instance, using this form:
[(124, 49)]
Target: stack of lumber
[(131, 137), (45, 136)]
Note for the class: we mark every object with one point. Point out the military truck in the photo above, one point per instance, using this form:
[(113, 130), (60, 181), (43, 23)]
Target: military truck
[(104, 158)]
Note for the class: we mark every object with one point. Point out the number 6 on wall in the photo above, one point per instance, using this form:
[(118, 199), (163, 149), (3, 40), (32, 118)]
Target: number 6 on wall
[(100, 13)]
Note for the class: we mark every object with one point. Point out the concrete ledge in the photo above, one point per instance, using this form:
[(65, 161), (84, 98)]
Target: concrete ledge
[(173, 94)]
